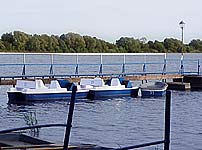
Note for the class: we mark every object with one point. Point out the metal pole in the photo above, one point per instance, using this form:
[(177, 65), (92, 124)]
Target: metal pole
[(69, 119), (182, 67), (32, 127), (199, 67), (100, 71), (182, 43), (182, 64), (144, 66), (182, 35), (182, 27), (77, 64), (164, 68), (77, 59), (24, 61), (51, 67), (124, 62), (167, 120), (165, 62)]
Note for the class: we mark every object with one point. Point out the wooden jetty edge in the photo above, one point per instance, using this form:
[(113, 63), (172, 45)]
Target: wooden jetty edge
[(180, 82), (12, 81)]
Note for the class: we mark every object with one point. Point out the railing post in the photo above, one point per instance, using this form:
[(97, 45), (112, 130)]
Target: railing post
[(24, 66), (51, 67), (182, 65), (77, 65), (144, 71), (124, 62), (144, 66), (100, 71), (69, 119), (167, 120), (164, 67), (199, 67)]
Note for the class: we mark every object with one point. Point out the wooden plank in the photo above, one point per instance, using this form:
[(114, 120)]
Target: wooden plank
[(153, 77)]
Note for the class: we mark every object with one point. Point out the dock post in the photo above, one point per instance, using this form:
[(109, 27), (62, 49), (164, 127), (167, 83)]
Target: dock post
[(69, 119), (167, 121)]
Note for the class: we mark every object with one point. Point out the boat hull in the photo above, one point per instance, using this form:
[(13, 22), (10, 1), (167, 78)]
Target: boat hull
[(18, 97), (153, 93), (103, 93)]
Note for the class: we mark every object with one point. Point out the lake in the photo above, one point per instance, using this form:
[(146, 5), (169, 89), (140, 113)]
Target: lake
[(115, 122)]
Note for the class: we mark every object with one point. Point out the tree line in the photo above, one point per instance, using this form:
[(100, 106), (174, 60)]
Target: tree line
[(18, 41)]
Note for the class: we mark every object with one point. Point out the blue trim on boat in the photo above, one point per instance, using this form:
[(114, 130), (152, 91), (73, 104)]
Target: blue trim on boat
[(112, 93), (151, 93), (17, 97)]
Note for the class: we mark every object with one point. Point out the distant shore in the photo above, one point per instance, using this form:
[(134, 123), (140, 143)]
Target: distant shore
[(18, 41)]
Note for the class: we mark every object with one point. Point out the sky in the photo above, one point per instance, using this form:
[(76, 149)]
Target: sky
[(105, 19)]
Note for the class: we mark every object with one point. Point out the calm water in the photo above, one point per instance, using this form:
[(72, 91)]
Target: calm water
[(115, 122)]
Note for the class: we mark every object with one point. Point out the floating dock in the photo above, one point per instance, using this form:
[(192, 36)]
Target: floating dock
[(194, 81), (182, 86), (180, 82), (47, 79)]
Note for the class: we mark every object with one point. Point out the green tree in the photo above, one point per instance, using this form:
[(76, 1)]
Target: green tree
[(33, 44), (90, 43), (172, 45), (8, 41), (196, 44), (2, 46), (62, 46), (55, 44), (158, 46), (131, 45), (20, 40), (74, 42)]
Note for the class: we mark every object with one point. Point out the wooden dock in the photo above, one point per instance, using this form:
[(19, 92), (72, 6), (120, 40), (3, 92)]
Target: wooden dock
[(180, 82), (47, 79), (182, 86), (131, 66)]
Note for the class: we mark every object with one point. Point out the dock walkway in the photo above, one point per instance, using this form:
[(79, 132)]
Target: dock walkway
[(73, 66)]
